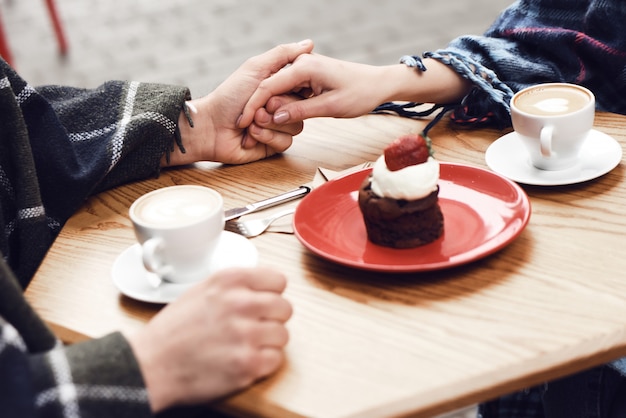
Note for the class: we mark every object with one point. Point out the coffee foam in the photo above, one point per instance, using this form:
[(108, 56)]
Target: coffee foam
[(552, 100), (175, 207)]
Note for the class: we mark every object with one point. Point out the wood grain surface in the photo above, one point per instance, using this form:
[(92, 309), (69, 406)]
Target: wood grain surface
[(368, 344)]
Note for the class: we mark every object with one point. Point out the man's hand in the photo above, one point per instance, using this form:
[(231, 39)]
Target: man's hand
[(219, 337), (217, 134)]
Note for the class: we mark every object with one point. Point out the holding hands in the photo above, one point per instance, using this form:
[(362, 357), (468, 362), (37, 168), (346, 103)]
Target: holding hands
[(217, 135), (333, 88), (257, 111), (342, 89)]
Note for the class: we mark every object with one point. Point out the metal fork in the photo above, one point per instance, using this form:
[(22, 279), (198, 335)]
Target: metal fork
[(255, 227)]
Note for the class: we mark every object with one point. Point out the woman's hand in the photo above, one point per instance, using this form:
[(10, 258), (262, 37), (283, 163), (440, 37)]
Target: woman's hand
[(331, 87)]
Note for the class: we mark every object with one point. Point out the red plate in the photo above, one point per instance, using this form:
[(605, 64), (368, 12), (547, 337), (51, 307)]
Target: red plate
[(483, 212)]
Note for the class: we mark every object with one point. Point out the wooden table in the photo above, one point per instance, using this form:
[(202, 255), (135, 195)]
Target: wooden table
[(367, 344)]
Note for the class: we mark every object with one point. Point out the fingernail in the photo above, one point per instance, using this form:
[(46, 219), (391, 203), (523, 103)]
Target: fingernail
[(281, 117), (238, 120), (305, 42)]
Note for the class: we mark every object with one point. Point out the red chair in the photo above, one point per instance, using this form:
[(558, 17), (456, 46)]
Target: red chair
[(5, 51), (4, 47)]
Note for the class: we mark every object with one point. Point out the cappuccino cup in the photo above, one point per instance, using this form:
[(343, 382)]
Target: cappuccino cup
[(553, 120), (179, 228)]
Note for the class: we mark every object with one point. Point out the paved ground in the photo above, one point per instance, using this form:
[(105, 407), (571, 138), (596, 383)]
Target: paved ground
[(198, 42)]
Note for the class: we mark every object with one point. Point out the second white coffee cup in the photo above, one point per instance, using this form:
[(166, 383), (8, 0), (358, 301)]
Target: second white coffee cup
[(179, 228), (553, 120)]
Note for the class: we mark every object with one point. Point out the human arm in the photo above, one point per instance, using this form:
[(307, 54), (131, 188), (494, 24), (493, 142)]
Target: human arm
[(125, 131), (531, 42), (58, 146), (537, 41), (339, 88), (217, 338), (62, 144)]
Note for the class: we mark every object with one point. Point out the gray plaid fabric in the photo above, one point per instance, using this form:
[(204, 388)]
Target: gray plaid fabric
[(58, 145)]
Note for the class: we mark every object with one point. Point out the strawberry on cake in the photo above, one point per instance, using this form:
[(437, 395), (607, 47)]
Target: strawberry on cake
[(399, 199)]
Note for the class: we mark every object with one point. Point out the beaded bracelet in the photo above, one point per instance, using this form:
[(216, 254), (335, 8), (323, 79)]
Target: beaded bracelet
[(414, 61)]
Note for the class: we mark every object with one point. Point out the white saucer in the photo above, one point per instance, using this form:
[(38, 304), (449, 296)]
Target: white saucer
[(132, 279), (599, 154)]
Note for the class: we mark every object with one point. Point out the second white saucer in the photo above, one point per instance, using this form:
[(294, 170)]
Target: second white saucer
[(599, 154), (132, 279)]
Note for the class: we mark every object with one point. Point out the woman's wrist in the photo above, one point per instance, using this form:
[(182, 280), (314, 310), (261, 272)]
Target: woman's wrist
[(437, 84)]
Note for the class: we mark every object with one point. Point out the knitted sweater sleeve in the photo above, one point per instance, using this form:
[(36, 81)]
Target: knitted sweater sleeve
[(98, 378), (59, 145), (539, 41), (40, 377)]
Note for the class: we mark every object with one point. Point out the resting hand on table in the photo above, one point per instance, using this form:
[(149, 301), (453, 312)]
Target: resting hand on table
[(335, 88), (217, 338), (216, 135)]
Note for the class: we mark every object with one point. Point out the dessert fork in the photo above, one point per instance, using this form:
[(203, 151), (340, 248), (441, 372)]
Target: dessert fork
[(255, 227)]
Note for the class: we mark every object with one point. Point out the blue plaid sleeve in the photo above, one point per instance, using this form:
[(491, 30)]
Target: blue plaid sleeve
[(539, 41)]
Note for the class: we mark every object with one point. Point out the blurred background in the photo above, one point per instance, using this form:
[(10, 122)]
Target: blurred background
[(198, 43)]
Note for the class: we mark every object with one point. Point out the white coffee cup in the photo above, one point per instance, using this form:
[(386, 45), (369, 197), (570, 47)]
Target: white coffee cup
[(179, 228), (553, 120)]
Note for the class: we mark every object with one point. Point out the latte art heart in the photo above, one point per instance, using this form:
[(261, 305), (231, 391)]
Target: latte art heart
[(552, 100), (553, 105)]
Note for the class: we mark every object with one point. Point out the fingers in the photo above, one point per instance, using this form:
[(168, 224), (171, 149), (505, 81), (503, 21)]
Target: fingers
[(230, 331), (268, 141), (276, 58), (260, 298), (270, 360), (278, 137), (265, 132), (315, 106), (265, 302), (269, 334), (259, 278), (265, 306), (288, 80), (264, 119)]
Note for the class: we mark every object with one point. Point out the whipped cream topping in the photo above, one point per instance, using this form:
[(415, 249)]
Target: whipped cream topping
[(410, 183)]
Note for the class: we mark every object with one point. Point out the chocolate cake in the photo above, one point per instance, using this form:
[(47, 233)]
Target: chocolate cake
[(399, 200), (400, 223)]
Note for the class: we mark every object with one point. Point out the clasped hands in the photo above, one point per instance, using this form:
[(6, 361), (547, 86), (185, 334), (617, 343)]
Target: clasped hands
[(256, 112), (312, 85)]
